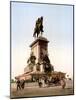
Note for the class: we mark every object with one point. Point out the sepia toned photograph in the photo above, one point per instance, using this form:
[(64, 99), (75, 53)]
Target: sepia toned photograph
[(42, 49)]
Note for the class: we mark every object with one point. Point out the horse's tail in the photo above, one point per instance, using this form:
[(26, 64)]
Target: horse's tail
[(34, 32)]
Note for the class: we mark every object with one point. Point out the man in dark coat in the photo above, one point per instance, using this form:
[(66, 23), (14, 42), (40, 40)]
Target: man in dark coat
[(18, 84), (23, 84)]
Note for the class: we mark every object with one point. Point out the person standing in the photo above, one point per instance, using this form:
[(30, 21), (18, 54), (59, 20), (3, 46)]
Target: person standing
[(63, 83), (22, 84), (40, 83), (18, 84)]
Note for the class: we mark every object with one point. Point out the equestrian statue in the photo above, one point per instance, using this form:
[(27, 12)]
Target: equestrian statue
[(38, 27)]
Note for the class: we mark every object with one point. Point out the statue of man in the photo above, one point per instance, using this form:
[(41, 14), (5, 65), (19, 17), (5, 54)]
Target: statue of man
[(38, 26)]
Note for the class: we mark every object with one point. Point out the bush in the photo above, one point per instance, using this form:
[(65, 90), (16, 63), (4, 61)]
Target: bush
[(12, 81)]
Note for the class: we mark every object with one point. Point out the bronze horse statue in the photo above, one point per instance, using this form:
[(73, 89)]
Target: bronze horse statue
[(38, 27)]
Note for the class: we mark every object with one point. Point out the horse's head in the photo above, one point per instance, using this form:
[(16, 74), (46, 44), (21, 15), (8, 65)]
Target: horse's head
[(41, 17)]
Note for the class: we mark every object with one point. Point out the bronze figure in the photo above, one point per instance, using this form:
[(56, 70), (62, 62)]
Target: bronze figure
[(38, 27)]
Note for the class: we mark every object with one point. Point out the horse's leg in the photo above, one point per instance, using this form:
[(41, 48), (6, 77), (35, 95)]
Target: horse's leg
[(41, 29), (33, 34), (37, 35)]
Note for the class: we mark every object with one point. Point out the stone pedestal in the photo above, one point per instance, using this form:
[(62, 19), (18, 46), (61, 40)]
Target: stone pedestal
[(41, 68), (39, 47)]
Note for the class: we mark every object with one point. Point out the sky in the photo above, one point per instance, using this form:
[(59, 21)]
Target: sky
[(58, 29)]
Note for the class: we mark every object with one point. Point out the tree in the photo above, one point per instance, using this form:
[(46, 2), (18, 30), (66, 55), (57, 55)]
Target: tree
[(12, 81)]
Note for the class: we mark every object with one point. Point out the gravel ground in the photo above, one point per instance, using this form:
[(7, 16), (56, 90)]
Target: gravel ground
[(33, 90)]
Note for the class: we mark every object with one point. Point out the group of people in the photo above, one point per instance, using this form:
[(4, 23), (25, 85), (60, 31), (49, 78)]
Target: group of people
[(20, 84), (42, 82), (48, 81)]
